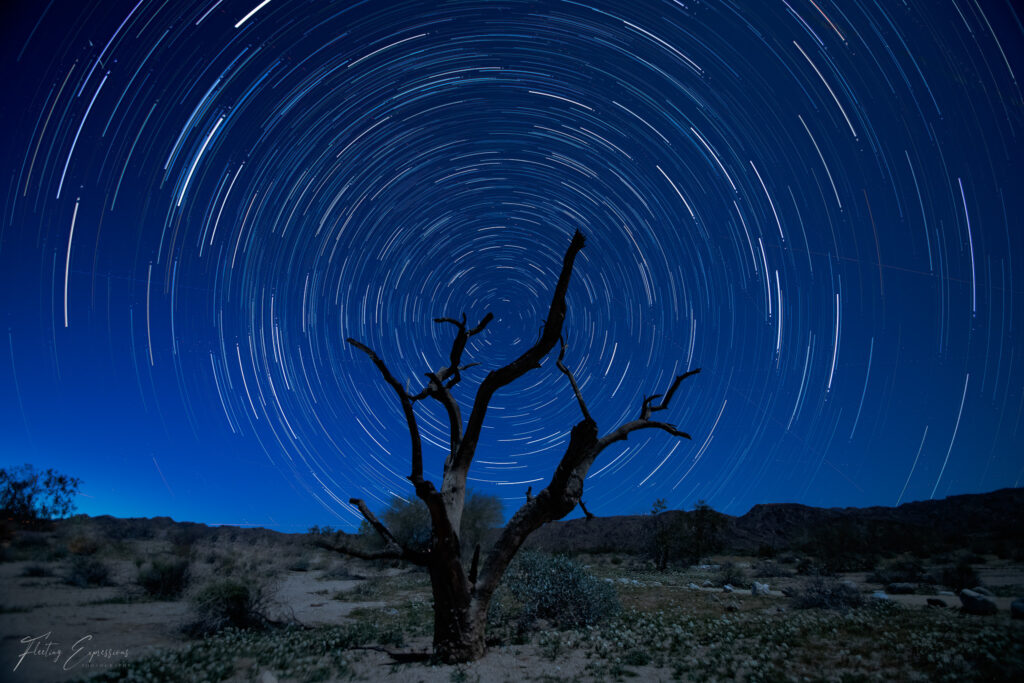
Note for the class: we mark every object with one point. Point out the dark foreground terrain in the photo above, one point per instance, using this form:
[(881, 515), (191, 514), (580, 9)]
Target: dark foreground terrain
[(784, 598)]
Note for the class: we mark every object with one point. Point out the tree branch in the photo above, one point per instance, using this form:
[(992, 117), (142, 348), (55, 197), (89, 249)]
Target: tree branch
[(572, 379), (377, 525), (646, 409), (393, 549), (416, 477), (565, 489), (361, 554), (588, 513), (530, 359)]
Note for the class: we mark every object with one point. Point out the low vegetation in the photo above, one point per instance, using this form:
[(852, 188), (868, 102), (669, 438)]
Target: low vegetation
[(553, 588), (164, 579), (229, 603)]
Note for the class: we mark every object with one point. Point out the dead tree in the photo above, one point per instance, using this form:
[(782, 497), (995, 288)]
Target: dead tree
[(461, 597)]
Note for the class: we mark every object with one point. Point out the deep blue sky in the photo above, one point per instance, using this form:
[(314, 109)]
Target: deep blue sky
[(818, 202)]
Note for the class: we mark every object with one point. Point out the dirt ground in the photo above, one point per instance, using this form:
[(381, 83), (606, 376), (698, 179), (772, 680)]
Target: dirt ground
[(51, 631)]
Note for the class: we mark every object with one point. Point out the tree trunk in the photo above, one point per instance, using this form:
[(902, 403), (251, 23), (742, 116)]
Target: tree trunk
[(459, 621)]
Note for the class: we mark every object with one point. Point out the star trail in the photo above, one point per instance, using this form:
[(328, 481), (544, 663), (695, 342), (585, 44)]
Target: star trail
[(818, 202)]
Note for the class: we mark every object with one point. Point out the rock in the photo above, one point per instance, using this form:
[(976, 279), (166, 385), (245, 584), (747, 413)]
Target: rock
[(732, 606), (948, 593), (707, 583), (267, 677), (850, 585), (976, 603), (1017, 608), (983, 591), (879, 595), (727, 588), (901, 588), (759, 588), (692, 586), (936, 602)]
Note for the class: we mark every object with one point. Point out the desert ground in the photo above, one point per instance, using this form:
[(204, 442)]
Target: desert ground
[(336, 618)]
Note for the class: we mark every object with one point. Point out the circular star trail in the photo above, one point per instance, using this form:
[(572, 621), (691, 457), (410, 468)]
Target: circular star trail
[(817, 202)]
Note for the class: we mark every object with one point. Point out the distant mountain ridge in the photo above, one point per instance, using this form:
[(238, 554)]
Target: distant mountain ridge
[(985, 522), (934, 525)]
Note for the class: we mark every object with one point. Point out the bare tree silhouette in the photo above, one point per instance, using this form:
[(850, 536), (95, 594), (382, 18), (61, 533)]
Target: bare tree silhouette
[(461, 597)]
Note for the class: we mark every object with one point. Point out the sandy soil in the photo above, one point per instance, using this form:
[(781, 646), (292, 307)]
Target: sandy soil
[(51, 640), (48, 629)]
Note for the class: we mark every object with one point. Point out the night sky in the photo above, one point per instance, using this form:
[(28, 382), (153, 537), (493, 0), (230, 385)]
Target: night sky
[(818, 202)]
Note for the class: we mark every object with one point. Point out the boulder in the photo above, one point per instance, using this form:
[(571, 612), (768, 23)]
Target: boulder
[(936, 602), (975, 603), (1017, 608), (707, 583), (759, 588), (879, 595), (901, 588), (983, 591), (727, 588), (692, 586)]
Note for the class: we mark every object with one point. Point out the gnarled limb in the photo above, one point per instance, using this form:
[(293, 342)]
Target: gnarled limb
[(565, 489), (588, 513), (455, 475), (369, 555), (416, 476), (393, 550), (572, 380)]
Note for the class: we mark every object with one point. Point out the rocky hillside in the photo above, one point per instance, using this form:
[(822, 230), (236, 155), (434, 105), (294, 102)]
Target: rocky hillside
[(987, 522)]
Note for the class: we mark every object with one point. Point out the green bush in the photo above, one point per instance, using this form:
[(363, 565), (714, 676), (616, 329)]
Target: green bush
[(900, 570), (769, 569), (729, 573), (959, 576), (229, 603), (164, 580), (87, 571), (555, 588), (826, 593)]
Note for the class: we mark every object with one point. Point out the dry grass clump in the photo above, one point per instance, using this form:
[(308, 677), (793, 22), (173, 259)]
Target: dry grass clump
[(164, 579), (229, 603), (84, 571), (826, 593)]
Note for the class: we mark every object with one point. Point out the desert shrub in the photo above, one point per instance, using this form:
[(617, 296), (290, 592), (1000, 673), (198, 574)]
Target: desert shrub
[(229, 603), (86, 571), (370, 589), (826, 593), (83, 545), (29, 496), (960, 575), (299, 564), (900, 570), (768, 569), (805, 566), (409, 522), (729, 573), (35, 570), (480, 514), (164, 579), (555, 588)]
